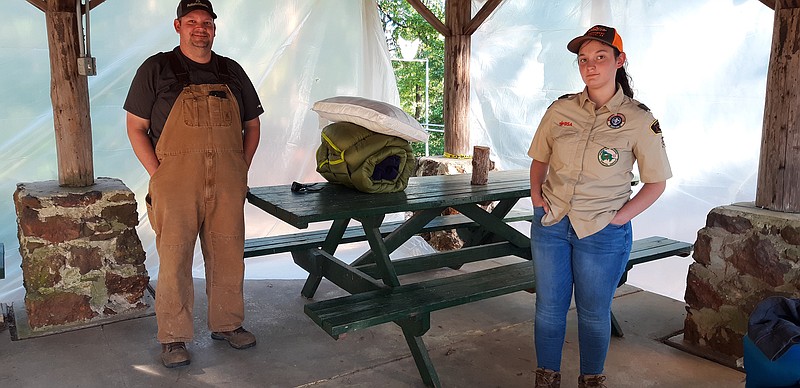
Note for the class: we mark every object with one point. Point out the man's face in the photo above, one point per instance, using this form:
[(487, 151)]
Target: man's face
[(197, 29)]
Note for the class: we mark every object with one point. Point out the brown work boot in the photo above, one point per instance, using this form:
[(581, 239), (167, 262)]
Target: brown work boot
[(591, 381), (546, 378), (238, 339), (175, 354)]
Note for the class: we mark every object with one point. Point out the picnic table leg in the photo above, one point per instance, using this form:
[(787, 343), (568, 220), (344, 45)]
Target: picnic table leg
[(480, 235), (371, 227), (311, 285), (413, 329), (394, 240), (616, 329), (331, 243)]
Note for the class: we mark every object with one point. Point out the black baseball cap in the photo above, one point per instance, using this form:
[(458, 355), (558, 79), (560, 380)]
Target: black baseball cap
[(607, 35), (186, 6)]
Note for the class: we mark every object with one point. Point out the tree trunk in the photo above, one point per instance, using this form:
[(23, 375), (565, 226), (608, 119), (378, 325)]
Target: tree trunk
[(456, 78), (779, 166), (70, 96)]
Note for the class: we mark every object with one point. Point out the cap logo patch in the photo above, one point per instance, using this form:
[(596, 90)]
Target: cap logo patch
[(616, 121), (655, 127), (608, 156), (597, 31), (196, 3)]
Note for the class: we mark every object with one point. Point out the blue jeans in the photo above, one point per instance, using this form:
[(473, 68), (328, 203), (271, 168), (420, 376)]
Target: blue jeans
[(592, 266)]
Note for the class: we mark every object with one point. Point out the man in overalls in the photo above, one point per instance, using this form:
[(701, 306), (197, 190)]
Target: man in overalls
[(192, 119)]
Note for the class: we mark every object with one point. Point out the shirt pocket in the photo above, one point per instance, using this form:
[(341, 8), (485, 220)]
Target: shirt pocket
[(608, 156), (565, 144)]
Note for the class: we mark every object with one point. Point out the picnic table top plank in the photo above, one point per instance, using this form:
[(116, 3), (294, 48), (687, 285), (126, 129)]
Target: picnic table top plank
[(300, 209)]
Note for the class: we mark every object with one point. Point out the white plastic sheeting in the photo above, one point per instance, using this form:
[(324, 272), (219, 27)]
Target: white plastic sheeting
[(700, 65)]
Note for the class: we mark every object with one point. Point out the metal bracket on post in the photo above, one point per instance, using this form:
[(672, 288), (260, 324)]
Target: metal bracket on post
[(87, 65)]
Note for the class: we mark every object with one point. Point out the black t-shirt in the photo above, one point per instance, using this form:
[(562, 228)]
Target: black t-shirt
[(155, 87)]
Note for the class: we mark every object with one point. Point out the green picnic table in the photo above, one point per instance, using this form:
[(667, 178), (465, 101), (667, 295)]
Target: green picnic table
[(377, 294)]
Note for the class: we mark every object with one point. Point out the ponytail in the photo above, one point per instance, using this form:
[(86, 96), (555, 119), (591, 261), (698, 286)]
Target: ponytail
[(625, 81), (623, 78)]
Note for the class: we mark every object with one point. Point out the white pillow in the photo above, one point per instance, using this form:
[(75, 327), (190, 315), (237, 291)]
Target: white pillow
[(377, 116)]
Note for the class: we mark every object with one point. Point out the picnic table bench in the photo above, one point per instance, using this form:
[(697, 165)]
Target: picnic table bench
[(344, 314), (376, 293)]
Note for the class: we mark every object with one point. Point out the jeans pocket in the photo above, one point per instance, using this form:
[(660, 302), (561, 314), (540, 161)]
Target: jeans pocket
[(538, 214)]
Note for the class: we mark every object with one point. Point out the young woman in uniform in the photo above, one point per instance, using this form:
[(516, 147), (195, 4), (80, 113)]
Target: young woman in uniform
[(583, 155)]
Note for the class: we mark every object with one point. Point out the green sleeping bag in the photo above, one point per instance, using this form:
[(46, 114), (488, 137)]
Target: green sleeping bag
[(364, 160)]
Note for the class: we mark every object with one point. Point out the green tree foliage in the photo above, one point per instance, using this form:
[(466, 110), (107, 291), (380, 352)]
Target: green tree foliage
[(401, 20)]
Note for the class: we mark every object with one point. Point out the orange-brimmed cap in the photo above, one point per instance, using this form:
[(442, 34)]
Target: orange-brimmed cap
[(607, 35)]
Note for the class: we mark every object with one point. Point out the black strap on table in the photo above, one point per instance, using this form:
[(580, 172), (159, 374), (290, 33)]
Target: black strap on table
[(305, 187)]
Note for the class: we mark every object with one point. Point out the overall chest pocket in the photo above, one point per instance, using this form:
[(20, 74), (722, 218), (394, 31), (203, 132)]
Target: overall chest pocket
[(212, 110)]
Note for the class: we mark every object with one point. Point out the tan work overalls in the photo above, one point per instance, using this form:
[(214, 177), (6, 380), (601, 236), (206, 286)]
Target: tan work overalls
[(199, 189)]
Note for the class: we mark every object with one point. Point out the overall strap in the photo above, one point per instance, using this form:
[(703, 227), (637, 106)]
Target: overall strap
[(225, 76), (181, 73)]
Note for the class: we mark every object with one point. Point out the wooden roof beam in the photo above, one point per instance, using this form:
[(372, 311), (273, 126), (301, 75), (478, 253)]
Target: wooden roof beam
[(95, 3), (784, 3), (40, 4), (488, 7), (430, 17)]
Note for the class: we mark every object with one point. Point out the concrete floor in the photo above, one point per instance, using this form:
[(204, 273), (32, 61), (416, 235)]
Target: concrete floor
[(483, 344)]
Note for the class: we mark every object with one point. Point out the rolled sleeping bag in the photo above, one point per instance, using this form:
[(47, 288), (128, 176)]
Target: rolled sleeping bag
[(367, 161)]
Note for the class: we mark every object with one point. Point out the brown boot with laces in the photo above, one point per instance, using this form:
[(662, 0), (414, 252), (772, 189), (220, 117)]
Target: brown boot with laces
[(174, 354), (546, 378), (591, 381), (238, 339)]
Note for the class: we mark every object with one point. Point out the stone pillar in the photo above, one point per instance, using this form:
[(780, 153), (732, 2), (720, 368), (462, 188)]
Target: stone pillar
[(81, 256), (445, 240), (743, 255)]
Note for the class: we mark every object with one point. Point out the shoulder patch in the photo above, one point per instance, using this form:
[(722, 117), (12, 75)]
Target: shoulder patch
[(644, 107), (566, 96), (655, 127)]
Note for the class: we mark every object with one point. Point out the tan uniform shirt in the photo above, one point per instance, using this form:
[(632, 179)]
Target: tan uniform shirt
[(591, 153)]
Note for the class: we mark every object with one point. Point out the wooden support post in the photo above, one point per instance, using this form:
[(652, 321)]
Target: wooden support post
[(779, 166), (70, 95), (456, 78), (480, 165), (457, 34)]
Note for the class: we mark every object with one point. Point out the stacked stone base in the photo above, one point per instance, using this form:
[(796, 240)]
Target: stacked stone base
[(743, 255), (82, 259), (446, 240)]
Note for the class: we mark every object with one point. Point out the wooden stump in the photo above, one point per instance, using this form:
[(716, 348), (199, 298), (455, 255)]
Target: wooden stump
[(480, 165)]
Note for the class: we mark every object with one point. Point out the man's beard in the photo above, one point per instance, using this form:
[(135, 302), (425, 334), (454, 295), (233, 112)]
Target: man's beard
[(201, 43)]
